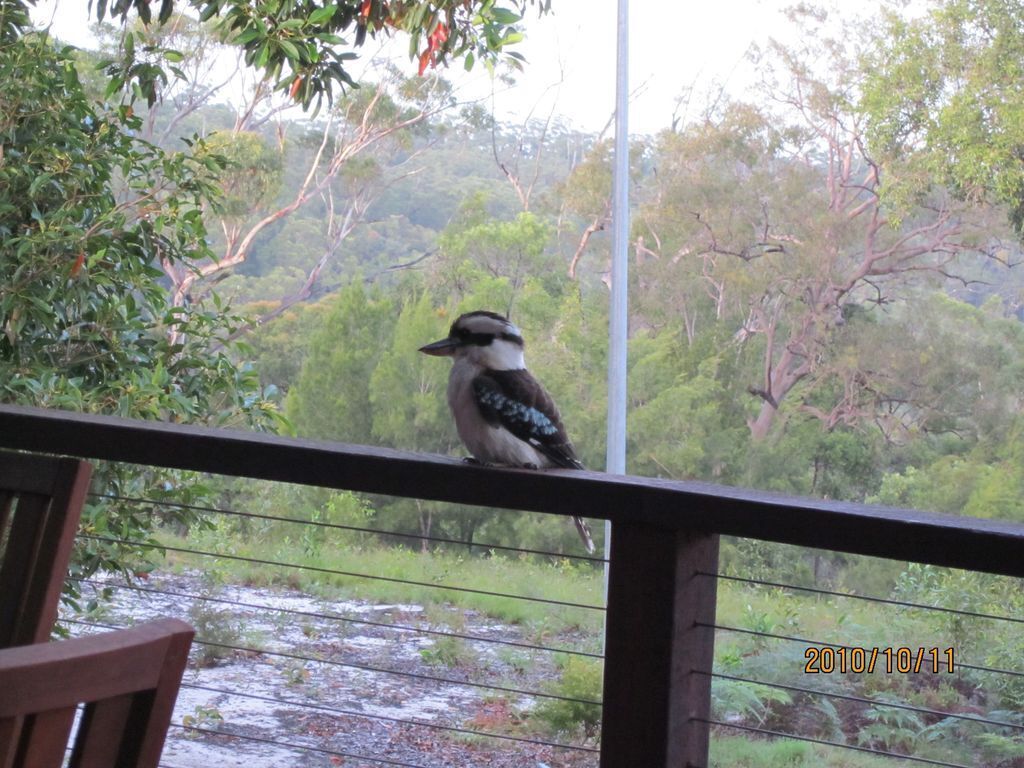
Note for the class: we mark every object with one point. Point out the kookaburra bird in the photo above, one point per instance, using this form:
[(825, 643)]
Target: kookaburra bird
[(502, 413)]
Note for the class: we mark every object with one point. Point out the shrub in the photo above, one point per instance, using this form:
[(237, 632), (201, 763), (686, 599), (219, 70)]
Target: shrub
[(581, 681)]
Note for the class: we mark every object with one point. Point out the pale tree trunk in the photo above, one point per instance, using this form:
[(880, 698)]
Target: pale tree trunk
[(426, 524), (359, 133), (597, 225), (510, 169)]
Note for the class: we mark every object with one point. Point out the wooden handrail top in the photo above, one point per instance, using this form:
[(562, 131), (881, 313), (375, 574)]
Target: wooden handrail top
[(962, 542)]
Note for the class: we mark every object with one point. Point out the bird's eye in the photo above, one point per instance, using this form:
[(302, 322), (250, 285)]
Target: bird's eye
[(467, 336)]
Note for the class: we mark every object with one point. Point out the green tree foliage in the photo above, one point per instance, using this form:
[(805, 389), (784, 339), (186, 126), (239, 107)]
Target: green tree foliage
[(478, 250), (252, 176), (944, 96), (580, 682), (332, 396), (678, 426), (86, 208), (985, 481), (300, 46), (769, 228), (333, 170), (282, 346), (407, 393)]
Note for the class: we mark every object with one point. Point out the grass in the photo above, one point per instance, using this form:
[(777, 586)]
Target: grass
[(560, 581), (750, 752)]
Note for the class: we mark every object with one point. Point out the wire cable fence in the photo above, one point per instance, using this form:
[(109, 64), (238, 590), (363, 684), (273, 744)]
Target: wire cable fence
[(328, 667), (881, 701), (266, 652), (303, 668), (343, 619), (868, 598), (339, 572), (834, 744), (193, 730), (481, 546), (311, 706)]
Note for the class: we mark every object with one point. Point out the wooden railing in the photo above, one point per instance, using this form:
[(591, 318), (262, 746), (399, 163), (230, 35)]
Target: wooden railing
[(661, 604)]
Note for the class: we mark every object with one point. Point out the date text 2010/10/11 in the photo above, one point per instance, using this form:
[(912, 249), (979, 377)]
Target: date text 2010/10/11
[(904, 660)]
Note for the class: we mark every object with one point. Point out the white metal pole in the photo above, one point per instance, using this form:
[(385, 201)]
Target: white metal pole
[(616, 445), (615, 457)]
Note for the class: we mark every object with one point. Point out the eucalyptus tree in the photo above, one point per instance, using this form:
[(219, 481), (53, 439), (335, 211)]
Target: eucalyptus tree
[(944, 94), (347, 160), (774, 219)]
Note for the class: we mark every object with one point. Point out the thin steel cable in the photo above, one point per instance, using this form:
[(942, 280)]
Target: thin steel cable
[(399, 720), (300, 747), (364, 667), (860, 699), (340, 526), (823, 742), (884, 600), (333, 572), (805, 641), (336, 617)]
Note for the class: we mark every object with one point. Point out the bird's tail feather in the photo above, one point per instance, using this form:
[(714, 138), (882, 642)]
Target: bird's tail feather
[(584, 531)]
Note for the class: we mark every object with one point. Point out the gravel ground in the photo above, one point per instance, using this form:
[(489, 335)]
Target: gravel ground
[(308, 690)]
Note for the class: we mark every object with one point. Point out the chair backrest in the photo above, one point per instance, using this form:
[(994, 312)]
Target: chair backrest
[(128, 681), (40, 505)]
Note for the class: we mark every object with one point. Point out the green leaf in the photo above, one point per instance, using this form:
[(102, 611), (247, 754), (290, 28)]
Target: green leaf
[(264, 54), (330, 38), (323, 15), (505, 16), (246, 36), (289, 49)]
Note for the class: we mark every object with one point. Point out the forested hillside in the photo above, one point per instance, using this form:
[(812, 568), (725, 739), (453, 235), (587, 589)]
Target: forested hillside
[(809, 314), (822, 302)]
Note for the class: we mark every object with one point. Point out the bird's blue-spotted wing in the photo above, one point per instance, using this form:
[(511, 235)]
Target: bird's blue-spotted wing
[(517, 402)]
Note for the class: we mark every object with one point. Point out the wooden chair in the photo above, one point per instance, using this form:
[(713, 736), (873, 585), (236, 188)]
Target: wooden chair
[(128, 681), (40, 505)]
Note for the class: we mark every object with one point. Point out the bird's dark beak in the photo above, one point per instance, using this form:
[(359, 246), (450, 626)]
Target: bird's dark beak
[(442, 348)]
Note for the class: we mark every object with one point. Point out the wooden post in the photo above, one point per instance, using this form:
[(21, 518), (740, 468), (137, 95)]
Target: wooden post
[(652, 696)]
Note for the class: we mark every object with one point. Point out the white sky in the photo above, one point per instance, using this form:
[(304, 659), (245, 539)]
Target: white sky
[(672, 45)]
